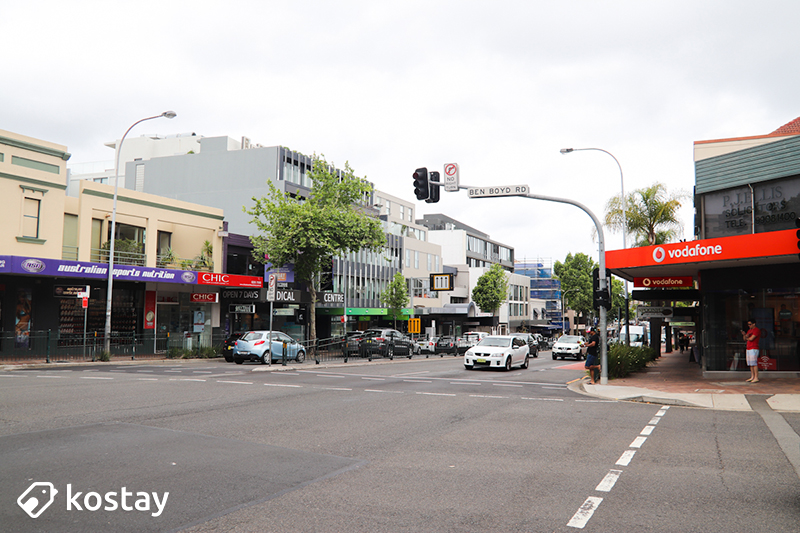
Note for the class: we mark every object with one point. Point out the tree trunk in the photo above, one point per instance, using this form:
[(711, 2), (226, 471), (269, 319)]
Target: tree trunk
[(312, 320)]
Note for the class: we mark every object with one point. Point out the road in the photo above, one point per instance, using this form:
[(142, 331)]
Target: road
[(420, 445)]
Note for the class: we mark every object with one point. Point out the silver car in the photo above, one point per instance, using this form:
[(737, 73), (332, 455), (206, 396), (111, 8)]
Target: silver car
[(253, 346)]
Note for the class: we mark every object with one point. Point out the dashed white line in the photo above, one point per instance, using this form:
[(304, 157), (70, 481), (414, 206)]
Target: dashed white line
[(236, 382), (328, 376), (147, 379), (435, 394), (637, 442), (608, 482), (586, 511), (416, 381), (11, 376), (648, 430), (625, 458), (387, 391), (51, 376), (94, 377), (545, 399), (282, 385), (487, 396), (505, 385), (597, 401), (374, 379), (654, 421), (186, 379), (201, 371), (662, 412), (146, 371), (462, 383), (336, 388)]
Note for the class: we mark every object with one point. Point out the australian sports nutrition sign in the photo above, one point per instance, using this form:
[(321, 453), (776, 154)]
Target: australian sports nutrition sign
[(774, 243), (81, 269)]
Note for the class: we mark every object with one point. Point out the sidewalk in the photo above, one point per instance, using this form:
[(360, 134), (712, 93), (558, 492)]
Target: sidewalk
[(673, 380)]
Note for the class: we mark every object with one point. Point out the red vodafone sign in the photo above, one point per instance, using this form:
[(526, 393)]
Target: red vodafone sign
[(663, 282), (230, 280)]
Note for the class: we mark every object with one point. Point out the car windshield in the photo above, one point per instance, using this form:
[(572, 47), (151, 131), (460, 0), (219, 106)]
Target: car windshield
[(572, 339), (495, 341)]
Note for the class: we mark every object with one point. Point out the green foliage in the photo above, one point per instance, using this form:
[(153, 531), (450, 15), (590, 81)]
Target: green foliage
[(491, 289), (395, 297), (126, 252), (624, 360), (104, 356), (652, 214), (575, 274), (309, 232)]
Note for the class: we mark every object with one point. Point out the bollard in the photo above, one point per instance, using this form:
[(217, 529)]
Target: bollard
[(133, 354), (48, 345), (283, 356)]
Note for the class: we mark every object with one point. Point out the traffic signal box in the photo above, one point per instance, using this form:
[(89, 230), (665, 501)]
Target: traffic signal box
[(797, 224), (433, 182), (421, 189), (601, 298)]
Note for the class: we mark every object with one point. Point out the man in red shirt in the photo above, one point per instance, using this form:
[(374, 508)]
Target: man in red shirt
[(752, 336)]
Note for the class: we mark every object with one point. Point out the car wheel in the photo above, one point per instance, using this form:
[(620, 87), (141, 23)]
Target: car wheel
[(301, 356), (555, 357), (265, 359), (469, 367), (525, 364), (508, 363), (228, 358), (238, 361), (390, 352)]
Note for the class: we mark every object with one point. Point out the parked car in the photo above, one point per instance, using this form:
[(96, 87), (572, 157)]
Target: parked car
[(386, 343), (227, 346), (499, 351), (471, 338), (352, 340), (445, 344), (569, 346), (427, 345), (254, 346), (532, 341)]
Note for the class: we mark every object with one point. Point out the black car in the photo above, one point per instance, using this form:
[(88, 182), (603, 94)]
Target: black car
[(386, 343), (446, 344), (533, 344), (351, 342), (227, 347)]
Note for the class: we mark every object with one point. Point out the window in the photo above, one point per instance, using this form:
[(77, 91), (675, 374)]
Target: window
[(430, 262), (410, 215), (402, 212), (416, 259), (30, 217), (408, 258), (388, 207)]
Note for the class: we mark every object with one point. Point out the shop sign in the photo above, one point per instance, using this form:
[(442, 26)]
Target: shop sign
[(149, 309), (283, 312), (242, 308), (653, 312), (774, 243), (256, 295), (284, 274), (333, 297), (204, 297), (81, 269), (664, 282), (367, 311), (68, 291), (229, 280)]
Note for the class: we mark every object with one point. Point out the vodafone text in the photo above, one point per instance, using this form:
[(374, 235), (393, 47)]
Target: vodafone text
[(687, 251)]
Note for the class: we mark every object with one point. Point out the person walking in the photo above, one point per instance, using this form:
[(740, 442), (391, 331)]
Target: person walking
[(592, 361), (752, 336)]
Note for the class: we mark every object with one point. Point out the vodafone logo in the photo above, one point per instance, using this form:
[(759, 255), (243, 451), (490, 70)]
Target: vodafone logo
[(659, 254), (647, 282)]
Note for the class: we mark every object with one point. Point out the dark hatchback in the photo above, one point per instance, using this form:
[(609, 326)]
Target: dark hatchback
[(227, 346), (386, 343), (446, 344)]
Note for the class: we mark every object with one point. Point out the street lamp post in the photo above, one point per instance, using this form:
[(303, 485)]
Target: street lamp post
[(624, 231), (563, 308), (107, 331)]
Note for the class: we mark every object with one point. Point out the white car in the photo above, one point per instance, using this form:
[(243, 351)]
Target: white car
[(427, 345), (498, 351), (569, 346)]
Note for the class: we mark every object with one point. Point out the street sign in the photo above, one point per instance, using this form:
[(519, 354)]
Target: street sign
[(451, 177), (242, 308), (503, 190), (273, 282), (653, 312), (441, 282), (414, 325)]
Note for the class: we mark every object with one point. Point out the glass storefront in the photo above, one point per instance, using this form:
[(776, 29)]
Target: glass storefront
[(731, 297)]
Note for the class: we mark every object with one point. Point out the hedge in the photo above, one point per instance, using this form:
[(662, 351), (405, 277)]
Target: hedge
[(624, 360)]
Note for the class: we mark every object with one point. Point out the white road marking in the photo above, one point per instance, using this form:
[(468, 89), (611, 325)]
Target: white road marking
[(12, 376), (375, 379), (280, 385), (146, 371), (654, 421), (662, 412), (147, 379), (505, 385), (435, 394), (328, 376), (94, 377), (608, 482), (51, 376), (553, 388), (485, 396), (462, 383), (335, 388), (201, 371), (388, 391), (410, 374), (416, 381), (546, 399), (187, 379), (586, 511), (637, 442), (597, 401), (236, 382), (287, 373), (174, 371), (625, 458), (648, 430)]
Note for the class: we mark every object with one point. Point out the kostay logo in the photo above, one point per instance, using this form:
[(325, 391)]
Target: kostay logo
[(40, 495)]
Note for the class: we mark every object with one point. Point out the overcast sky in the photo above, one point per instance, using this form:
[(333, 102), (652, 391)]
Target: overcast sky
[(497, 87)]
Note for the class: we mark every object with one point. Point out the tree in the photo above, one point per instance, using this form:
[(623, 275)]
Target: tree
[(575, 274), (395, 297), (491, 290), (652, 214), (309, 232)]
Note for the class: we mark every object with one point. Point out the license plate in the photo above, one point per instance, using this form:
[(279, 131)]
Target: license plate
[(480, 360)]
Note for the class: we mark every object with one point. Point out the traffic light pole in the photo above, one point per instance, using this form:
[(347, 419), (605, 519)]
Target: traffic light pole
[(494, 192)]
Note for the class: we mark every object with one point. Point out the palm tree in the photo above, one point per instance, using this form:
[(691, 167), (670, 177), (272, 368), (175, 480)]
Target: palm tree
[(651, 214)]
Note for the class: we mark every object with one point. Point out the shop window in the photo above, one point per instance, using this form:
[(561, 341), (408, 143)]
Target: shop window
[(30, 217)]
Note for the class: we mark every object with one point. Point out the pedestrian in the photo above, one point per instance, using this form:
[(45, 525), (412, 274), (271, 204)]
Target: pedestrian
[(682, 340), (752, 336), (592, 360)]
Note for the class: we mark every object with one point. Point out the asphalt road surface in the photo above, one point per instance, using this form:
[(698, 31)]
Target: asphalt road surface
[(420, 445)]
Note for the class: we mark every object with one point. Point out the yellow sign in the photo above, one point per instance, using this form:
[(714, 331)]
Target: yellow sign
[(414, 325)]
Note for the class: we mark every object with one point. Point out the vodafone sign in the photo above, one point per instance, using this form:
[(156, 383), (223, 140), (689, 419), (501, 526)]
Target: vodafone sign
[(664, 282), (229, 280)]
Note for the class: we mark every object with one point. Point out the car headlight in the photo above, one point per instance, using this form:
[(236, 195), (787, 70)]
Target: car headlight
[(469, 353)]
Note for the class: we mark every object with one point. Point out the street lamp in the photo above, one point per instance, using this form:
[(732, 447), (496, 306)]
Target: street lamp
[(624, 231), (564, 306), (107, 331)]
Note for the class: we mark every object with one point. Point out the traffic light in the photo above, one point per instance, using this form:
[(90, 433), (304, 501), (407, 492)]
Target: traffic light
[(601, 298), (433, 182), (421, 183), (797, 223)]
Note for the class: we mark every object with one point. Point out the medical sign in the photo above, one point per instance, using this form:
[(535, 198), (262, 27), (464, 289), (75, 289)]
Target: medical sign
[(663, 282)]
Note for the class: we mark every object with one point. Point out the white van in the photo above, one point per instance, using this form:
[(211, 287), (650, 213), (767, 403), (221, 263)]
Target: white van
[(638, 335)]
